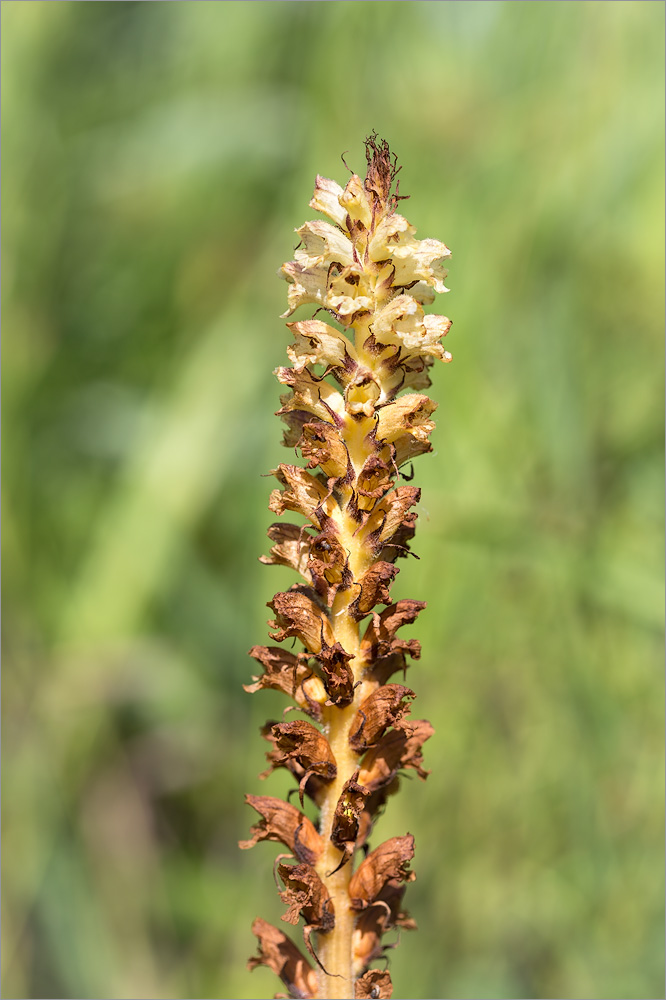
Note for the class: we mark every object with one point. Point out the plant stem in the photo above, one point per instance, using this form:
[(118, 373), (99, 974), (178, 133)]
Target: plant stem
[(335, 947)]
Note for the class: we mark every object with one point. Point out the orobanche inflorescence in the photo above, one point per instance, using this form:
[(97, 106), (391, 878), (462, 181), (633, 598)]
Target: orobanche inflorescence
[(356, 413)]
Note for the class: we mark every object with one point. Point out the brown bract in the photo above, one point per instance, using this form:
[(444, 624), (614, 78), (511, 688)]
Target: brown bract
[(388, 861), (282, 822), (279, 953)]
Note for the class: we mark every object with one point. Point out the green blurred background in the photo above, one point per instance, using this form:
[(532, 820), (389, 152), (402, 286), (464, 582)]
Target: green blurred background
[(157, 157)]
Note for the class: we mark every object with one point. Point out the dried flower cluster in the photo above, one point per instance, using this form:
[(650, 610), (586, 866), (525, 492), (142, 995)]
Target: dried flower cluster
[(345, 417)]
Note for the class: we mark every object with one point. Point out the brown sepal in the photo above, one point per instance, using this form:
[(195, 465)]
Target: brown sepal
[(374, 985), (383, 708), (279, 953), (374, 590), (388, 861), (283, 822), (296, 614), (396, 750), (288, 673), (346, 819)]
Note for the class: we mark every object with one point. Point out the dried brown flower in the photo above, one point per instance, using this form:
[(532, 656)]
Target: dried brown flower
[(383, 708), (280, 954), (283, 822), (388, 861)]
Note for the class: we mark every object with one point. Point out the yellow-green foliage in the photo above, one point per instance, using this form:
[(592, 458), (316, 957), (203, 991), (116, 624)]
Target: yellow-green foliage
[(155, 155)]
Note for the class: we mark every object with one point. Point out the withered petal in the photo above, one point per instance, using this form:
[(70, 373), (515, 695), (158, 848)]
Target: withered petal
[(398, 546), (374, 479), (279, 953), (388, 861), (329, 565), (282, 822)]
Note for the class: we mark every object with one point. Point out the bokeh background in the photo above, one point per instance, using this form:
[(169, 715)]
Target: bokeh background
[(157, 157)]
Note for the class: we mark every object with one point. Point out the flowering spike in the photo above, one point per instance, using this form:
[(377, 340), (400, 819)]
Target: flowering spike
[(355, 411)]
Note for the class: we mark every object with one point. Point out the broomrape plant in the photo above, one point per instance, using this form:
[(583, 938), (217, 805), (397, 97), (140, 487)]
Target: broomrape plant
[(348, 416)]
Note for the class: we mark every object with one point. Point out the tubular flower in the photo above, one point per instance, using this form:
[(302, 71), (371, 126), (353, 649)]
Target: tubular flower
[(347, 416)]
